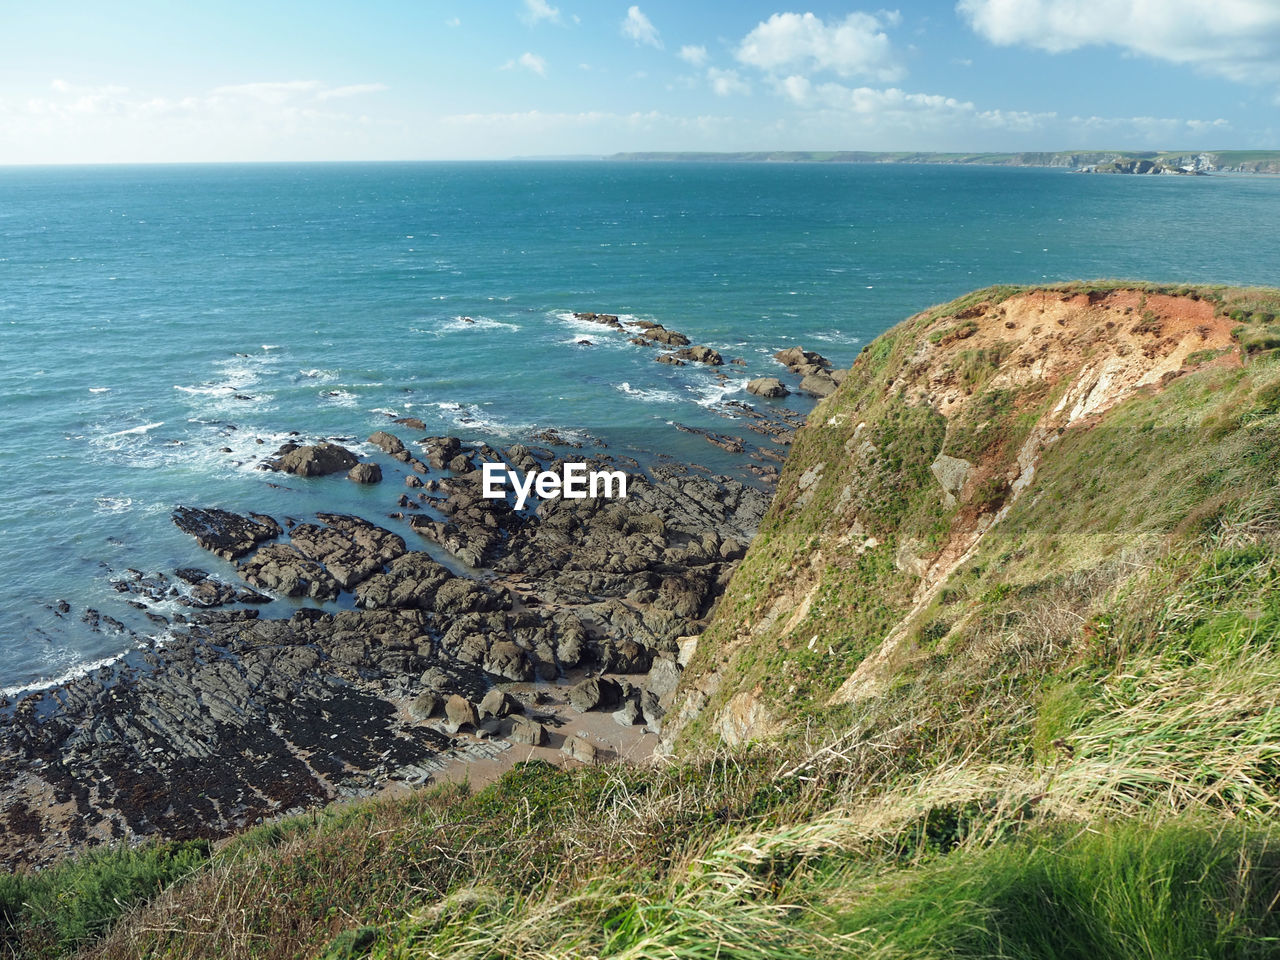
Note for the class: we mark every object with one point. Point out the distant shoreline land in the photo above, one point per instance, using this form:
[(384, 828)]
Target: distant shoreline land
[(1087, 161)]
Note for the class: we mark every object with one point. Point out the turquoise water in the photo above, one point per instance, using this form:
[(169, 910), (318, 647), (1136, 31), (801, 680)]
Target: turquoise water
[(151, 316)]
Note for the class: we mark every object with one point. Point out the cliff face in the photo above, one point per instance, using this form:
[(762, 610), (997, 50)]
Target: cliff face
[(1009, 457)]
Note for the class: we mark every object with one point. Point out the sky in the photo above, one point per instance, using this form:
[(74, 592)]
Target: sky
[(82, 81)]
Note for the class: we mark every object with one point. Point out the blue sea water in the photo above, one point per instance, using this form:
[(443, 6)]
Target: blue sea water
[(151, 316)]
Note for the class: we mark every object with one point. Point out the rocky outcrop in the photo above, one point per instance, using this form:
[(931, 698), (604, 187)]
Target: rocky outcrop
[(818, 384), (770, 387), (228, 535), (701, 354), (365, 473), (286, 571), (802, 362), (311, 461)]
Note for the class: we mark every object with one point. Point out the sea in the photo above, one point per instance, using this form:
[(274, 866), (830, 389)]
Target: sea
[(153, 316)]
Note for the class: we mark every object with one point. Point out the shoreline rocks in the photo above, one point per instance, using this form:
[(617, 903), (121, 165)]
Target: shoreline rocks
[(405, 666)]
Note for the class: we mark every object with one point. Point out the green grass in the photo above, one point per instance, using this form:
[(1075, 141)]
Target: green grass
[(54, 911), (1123, 893)]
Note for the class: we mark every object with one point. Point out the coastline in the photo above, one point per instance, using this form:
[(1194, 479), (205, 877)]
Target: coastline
[(558, 631)]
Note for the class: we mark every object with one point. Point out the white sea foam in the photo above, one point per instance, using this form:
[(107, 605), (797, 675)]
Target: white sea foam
[(135, 430), (271, 346), (113, 504), (649, 396), (473, 417), (65, 654), (316, 373), (712, 393), (99, 389), (75, 673), (464, 324), (835, 336), (339, 398)]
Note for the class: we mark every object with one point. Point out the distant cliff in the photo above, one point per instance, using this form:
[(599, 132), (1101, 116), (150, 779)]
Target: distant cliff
[(1214, 161)]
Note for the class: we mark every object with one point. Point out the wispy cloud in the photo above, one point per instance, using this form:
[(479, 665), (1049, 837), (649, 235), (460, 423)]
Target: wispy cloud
[(538, 10), (530, 61), (640, 29), (351, 90), (726, 82), (694, 55)]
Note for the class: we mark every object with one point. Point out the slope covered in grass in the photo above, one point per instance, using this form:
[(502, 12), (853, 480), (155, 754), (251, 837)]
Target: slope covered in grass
[(997, 678)]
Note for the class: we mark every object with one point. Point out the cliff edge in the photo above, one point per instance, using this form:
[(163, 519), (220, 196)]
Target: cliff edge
[(1015, 449)]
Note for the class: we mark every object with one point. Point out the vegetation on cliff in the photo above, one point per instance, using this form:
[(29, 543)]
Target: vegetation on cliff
[(997, 678)]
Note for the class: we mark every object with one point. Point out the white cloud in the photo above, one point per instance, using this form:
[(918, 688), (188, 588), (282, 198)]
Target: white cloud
[(530, 61), (351, 90), (693, 54), (536, 10), (796, 88), (453, 22), (273, 92), (639, 28), (268, 120), (854, 46), (1236, 39), (726, 82)]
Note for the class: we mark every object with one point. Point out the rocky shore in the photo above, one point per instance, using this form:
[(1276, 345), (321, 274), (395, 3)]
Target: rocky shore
[(493, 627), (405, 655)]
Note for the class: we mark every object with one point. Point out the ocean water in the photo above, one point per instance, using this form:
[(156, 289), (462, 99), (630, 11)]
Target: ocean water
[(151, 316)]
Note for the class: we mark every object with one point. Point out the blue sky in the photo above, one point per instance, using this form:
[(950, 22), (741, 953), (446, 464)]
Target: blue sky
[(89, 82)]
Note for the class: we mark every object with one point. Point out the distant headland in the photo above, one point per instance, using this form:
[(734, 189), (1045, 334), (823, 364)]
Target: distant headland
[(1094, 161)]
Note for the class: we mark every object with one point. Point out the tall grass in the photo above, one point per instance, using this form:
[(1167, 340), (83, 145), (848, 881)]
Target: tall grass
[(52, 912), (1123, 893)]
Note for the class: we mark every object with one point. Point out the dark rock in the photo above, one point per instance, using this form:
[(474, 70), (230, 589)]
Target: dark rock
[(387, 442), (351, 549), (283, 569), (701, 354), (425, 706), (669, 337), (524, 730), (411, 581), (594, 694), (670, 358), (505, 659), (627, 656), (365, 473), (312, 461), (228, 535), (413, 423), (460, 712), (818, 384), (498, 704), (767, 387), (460, 595), (795, 357), (440, 450)]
